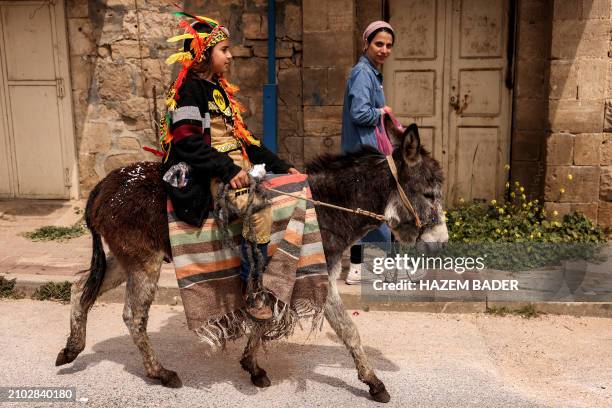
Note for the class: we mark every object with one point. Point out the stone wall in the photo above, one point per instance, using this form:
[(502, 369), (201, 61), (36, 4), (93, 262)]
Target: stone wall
[(530, 105), (119, 78), (579, 143), (328, 35)]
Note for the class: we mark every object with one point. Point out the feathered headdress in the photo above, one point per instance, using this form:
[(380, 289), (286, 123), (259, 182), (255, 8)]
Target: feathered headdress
[(194, 45)]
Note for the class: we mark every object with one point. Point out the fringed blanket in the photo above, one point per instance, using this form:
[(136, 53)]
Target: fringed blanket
[(208, 274)]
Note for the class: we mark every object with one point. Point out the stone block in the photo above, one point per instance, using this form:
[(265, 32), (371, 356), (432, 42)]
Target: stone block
[(80, 35), (77, 8), (530, 114), (560, 149), (584, 186), (88, 178), (608, 92), (534, 11), (532, 41), (240, 51), (531, 78), (586, 149), (116, 82), (314, 85), (284, 49), (585, 38), (291, 148), (567, 10), (595, 9), (322, 120), (527, 145), (292, 22), (607, 126), (605, 150), (604, 215), (316, 146), (592, 78), (531, 176), (588, 209), (96, 138), (251, 76), (254, 26), (563, 80), (576, 116), (290, 86), (328, 49), (315, 15), (121, 160), (128, 143), (128, 49), (605, 184), (81, 73), (561, 209)]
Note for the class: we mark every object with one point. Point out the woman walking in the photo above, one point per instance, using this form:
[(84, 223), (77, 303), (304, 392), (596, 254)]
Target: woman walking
[(364, 106)]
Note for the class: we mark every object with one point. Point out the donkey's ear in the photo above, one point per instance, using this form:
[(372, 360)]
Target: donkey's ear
[(411, 144), (396, 136)]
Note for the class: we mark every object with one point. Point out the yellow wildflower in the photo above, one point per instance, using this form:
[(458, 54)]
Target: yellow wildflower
[(517, 184), (555, 213), (523, 197), (570, 177), (461, 200), (562, 190), (493, 202), (507, 184), (522, 189), (457, 223), (507, 167), (501, 210)]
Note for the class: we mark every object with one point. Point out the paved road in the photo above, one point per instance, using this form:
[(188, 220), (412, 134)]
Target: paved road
[(424, 359)]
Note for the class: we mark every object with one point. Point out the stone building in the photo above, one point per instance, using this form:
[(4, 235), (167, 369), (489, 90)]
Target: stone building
[(521, 82)]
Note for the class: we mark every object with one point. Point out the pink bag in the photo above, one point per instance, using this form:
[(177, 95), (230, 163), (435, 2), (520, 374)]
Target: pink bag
[(382, 140)]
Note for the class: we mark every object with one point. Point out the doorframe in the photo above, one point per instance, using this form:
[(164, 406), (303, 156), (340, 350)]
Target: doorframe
[(65, 106)]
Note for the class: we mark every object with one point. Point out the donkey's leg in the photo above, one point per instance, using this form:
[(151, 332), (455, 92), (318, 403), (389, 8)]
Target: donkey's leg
[(141, 288), (115, 275), (259, 377), (344, 327)]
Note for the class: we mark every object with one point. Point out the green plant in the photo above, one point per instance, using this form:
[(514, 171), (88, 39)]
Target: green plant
[(53, 291), (7, 288), (529, 311), (55, 233), (518, 220)]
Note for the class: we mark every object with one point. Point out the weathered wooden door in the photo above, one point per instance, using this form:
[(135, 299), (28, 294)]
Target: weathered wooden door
[(36, 130), (447, 74)]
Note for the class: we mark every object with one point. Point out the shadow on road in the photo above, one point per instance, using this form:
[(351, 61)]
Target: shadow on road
[(200, 367)]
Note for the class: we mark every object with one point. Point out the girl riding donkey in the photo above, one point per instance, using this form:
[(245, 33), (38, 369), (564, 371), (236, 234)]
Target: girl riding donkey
[(204, 130)]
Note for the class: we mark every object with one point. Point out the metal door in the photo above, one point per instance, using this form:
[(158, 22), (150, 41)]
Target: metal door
[(36, 133)]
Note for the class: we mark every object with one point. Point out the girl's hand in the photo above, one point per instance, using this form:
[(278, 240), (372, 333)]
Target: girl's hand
[(293, 170), (240, 180)]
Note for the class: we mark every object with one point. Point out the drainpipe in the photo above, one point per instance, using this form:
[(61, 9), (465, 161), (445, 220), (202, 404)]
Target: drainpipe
[(270, 89)]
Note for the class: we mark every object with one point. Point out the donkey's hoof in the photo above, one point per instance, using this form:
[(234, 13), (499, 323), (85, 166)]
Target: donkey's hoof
[(170, 379), (65, 356), (261, 380), (380, 395)]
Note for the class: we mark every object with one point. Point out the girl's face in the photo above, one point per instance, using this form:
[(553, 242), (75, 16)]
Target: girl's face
[(380, 48), (220, 58)]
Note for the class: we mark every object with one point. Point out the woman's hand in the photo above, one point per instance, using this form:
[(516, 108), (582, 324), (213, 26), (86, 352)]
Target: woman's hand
[(240, 180), (293, 170), (385, 109)]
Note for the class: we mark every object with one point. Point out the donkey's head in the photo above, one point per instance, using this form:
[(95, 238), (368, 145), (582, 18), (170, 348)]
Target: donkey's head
[(420, 175)]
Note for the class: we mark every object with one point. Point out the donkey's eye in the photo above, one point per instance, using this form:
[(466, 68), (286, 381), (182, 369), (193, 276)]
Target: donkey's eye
[(429, 196)]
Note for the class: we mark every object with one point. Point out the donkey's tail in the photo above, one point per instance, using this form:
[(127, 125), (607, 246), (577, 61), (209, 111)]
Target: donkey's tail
[(97, 270)]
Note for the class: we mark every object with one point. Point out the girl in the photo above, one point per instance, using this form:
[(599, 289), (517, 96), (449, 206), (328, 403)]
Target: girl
[(364, 105), (204, 129)]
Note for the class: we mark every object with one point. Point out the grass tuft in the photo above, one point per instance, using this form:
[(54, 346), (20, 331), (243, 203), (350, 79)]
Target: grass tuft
[(55, 233), (53, 291)]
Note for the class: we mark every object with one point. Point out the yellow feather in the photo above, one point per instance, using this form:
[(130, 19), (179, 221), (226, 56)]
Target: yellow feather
[(179, 37), (179, 56)]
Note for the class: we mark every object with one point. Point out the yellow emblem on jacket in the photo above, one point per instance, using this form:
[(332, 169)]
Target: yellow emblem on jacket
[(219, 100)]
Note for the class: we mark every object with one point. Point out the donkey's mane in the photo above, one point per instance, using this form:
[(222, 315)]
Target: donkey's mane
[(333, 162)]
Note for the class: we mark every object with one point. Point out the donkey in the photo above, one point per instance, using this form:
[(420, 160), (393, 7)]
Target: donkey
[(128, 209)]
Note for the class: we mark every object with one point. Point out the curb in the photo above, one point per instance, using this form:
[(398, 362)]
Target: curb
[(168, 294)]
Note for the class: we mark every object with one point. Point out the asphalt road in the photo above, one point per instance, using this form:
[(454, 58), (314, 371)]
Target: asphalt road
[(424, 359)]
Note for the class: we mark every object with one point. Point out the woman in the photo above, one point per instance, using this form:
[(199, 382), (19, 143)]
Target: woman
[(204, 131), (364, 105)]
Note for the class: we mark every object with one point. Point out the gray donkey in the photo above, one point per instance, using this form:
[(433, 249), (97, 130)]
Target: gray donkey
[(128, 209)]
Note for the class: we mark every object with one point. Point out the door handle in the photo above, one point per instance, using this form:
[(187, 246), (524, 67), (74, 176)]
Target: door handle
[(458, 106)]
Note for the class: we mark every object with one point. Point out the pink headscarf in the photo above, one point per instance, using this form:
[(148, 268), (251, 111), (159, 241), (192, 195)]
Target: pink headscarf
[(375, 25)]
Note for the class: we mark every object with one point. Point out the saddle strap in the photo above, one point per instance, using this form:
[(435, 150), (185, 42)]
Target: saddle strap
[(402, 194)]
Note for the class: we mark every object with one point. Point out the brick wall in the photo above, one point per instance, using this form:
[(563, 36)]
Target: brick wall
[(579, 145)]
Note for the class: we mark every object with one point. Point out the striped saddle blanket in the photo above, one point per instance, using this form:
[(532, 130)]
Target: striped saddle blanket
[(208, 274)]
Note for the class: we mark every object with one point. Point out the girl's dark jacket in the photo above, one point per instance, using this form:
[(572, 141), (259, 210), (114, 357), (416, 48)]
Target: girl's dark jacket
[(190, 127)]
